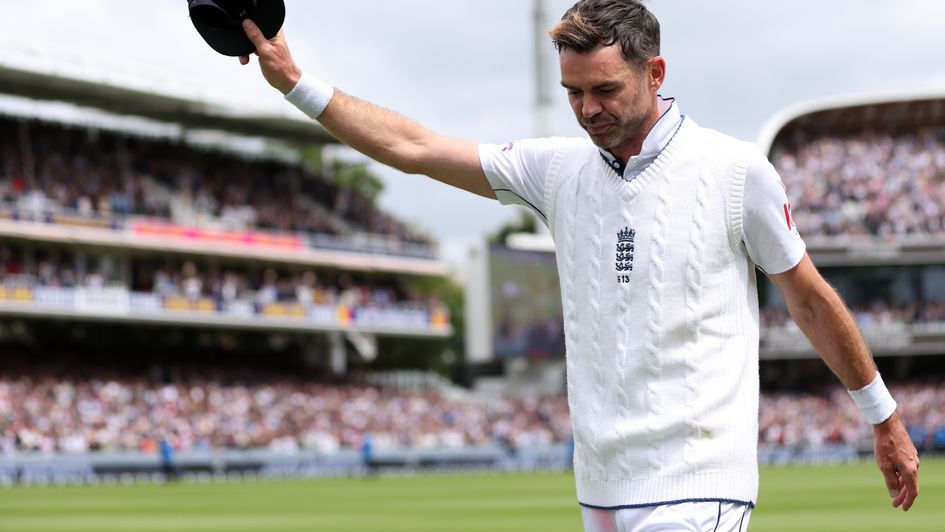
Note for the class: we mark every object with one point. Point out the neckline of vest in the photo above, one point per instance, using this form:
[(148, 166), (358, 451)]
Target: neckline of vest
[(629, 189)]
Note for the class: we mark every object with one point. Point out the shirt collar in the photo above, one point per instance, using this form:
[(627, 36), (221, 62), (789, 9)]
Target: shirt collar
[(656, 139)]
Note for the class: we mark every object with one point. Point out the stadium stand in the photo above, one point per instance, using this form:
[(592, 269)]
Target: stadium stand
[(52, 168), (118, 217), (870, 183), (157, 230), (74, 280), (866, 181), (799, 420), (67, 406), (78, 409), (179, 277)]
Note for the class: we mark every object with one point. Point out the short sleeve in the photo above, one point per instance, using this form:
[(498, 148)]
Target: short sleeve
[(770, 233), (517, 170)]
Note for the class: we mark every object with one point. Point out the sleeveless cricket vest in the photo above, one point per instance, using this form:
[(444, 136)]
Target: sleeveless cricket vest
[(661, 322)]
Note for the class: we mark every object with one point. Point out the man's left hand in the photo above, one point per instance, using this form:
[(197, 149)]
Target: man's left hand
[(898, 461)]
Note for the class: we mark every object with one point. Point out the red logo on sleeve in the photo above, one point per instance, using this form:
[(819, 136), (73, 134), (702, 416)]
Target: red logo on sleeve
[(787, 216)]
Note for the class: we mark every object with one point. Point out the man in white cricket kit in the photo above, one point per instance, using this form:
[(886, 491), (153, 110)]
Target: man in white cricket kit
[(659, 225)]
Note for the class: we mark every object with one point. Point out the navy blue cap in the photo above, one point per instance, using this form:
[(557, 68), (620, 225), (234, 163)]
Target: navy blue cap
[(220, 22)]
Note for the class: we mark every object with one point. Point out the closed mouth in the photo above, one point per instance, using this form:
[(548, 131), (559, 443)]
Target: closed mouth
[(598, 128)]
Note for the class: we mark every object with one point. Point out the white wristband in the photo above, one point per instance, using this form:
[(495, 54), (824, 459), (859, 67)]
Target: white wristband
[(311, 95), (874, 401)]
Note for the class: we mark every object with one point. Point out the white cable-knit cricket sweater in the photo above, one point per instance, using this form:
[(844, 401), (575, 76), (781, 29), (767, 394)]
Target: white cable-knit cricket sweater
[(661, 322)]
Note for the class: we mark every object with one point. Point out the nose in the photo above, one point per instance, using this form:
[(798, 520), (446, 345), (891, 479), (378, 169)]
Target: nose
[(590, 107)]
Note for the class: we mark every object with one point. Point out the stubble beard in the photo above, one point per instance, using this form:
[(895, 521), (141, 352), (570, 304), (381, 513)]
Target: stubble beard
[(629, 128), (625, 131)]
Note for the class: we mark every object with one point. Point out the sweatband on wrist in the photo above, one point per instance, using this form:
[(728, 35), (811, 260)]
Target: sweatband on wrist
[(874, 401), (310, 95)]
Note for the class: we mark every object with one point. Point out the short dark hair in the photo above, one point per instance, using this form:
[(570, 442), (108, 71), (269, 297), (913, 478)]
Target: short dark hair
[(593, 23)]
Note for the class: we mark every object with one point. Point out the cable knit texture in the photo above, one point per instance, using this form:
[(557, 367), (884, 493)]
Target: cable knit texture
[(694, 279), (567, 274), (592, 305), (662, 358), (654, 311)]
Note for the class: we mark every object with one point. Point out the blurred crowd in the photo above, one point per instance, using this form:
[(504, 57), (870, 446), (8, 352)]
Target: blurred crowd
[(877, 313), (225, 285), (42, 411), (269, 286), (805, 420), (869, 183), (62, 414), (866, 184), (101, 173)]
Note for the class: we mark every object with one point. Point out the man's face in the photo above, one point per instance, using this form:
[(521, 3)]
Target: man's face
[(611, 99)]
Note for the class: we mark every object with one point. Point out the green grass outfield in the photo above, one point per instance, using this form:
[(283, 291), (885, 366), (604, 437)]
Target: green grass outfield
[(808, 499)]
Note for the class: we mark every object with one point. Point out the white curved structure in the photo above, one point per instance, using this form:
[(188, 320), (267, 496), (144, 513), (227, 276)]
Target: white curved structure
[(849, 102), (35, 72)]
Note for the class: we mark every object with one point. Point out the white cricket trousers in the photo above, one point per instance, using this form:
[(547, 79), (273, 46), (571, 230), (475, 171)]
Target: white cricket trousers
[(682, 517)]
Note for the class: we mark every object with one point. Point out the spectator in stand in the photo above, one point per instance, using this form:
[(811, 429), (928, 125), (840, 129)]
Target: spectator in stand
[(349, 295), (191, 285), (9, 265), (230, 290), (268, 293), (164, 284), (305, 290)]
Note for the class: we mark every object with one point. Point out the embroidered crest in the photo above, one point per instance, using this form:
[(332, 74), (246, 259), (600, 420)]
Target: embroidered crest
[(625, 248)]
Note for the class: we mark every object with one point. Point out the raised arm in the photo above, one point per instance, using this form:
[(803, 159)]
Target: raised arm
[(820, 312), (381, 134)]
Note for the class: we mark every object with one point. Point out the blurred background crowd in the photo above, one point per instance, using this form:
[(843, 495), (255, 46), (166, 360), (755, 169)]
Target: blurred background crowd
[(224, 284), (68, 410), (879, 312), (221, 409), (96, 173), (866, 184), (813, 420)]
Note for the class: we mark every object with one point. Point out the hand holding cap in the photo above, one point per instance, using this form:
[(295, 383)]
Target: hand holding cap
[(220, 22)]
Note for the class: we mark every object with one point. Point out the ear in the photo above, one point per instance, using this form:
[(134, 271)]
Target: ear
[(656, 68)]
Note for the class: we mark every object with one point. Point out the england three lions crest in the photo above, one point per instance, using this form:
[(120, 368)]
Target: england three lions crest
[(625, 248)]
